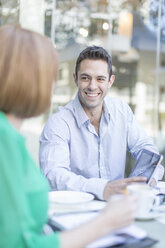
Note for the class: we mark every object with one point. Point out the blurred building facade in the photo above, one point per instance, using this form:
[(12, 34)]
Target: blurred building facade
[(133, 31)]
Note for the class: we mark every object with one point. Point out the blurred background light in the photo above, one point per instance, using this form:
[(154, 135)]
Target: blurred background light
[(83, 32), (105, 26)]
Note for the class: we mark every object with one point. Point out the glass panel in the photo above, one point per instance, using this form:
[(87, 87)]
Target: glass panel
[(128, 29), (9, 11)]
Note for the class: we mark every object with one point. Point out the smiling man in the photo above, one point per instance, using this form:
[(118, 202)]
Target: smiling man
[(84, 145)]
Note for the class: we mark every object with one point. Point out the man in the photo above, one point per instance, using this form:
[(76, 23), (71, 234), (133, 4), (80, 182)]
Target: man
[(83, 145)]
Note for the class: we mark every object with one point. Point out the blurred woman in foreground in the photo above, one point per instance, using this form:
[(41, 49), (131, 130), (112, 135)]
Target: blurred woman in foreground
[(28, 68)]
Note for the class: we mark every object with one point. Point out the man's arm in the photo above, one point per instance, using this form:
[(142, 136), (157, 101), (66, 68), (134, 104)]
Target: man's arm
[(137, 140), (55, 161)]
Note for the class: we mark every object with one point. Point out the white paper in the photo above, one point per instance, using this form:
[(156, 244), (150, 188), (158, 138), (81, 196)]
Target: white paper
[(133, 231), (107, 241), (112, 239), (70, 221)]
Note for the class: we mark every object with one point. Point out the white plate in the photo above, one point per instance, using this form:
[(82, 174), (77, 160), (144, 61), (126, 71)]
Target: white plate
[(61, 208), (69, 197)]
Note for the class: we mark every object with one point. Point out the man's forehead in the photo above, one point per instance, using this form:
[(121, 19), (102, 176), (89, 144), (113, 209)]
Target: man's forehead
[(89, 60), (88, 66)]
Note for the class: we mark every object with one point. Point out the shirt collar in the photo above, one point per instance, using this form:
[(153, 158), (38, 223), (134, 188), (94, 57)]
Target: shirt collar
[(106, 111), (81, 116)]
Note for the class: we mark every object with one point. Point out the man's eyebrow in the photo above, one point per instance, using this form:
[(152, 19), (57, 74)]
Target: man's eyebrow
[(102, 76), (84, 74)]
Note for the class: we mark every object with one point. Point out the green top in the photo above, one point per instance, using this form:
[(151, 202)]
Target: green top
[(23, 194)]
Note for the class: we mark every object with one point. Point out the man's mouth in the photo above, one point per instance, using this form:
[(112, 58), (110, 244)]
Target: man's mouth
[(92, 94)]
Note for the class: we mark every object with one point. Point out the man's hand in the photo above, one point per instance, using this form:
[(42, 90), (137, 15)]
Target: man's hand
[(118, 186)]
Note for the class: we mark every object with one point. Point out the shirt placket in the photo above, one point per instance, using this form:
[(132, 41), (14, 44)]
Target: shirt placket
[(104, 170), (101, 159)]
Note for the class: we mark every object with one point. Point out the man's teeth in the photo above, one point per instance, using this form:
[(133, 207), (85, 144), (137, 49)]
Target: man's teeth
[(92, 94)]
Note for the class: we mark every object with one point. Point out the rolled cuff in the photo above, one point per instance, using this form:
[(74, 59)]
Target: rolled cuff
[(96, 186)]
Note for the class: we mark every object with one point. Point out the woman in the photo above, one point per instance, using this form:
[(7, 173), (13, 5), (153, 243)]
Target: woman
[(28, 67)]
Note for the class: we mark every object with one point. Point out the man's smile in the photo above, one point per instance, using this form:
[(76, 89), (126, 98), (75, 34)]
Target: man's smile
[(92, 94)]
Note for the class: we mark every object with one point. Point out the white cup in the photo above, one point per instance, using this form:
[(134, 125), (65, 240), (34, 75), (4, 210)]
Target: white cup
[(146, 199)]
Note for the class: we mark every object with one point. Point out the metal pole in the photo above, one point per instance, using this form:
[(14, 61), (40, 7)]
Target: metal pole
[(53, 21), (110, 28), (157, 94), (53, 41)]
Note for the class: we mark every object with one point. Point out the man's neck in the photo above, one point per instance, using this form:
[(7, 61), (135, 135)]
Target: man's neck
[(94, 117)]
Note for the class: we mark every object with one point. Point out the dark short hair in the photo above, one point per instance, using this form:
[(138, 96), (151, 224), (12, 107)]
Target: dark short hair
[(94, 53), (28, 67)]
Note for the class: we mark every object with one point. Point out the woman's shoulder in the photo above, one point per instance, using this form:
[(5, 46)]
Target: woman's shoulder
[(9, 136)]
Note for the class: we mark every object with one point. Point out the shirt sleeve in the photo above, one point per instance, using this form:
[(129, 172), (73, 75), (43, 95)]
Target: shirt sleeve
[(18, 228), (55, 161)]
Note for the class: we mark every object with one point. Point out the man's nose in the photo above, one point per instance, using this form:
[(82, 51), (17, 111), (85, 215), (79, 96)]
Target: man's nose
[(92, 84)]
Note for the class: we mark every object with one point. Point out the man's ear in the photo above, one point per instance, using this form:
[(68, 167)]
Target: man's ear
[(74, 76), (111, 81)]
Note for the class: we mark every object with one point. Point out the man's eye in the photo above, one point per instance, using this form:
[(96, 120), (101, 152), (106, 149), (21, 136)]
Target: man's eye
[(84, 78), (101, 79)]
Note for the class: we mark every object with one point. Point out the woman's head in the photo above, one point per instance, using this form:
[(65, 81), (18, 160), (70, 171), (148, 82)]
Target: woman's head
[(28, 67)]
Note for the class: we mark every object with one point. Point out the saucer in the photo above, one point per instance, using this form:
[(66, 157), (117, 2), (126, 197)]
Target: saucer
[(160, 208), (148, 216), (160, 187)]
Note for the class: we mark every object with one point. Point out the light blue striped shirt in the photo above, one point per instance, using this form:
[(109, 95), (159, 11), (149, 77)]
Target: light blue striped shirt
[(74, 157)]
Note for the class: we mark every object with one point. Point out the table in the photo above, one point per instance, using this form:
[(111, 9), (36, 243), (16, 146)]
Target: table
[(155, 230)]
